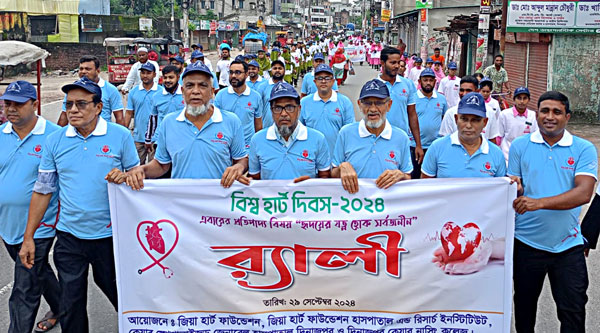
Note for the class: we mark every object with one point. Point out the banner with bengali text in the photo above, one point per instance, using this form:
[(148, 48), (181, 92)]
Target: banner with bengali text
[(280, 257)]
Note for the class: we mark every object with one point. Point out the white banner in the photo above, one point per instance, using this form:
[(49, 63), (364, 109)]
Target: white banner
[(192, 256), (356, 53)]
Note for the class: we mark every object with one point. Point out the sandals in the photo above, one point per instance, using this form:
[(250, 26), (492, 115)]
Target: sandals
[(45, 324)]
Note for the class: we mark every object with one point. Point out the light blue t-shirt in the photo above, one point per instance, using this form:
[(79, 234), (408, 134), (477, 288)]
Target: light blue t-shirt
[(402, 93), (305, 155), (267, 117), (257, 86), (81, 164), (19, 162), (369, 155), (310, 87), (140, 102), (430, 112), (111, 100), (165, 103), (548, 171), (327, 117), (246, 106), (447, 158), (200, 154)]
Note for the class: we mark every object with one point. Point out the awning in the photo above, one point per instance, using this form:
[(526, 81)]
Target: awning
[(409, 13)]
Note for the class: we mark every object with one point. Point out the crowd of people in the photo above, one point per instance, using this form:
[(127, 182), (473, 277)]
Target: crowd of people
[(245, 121)]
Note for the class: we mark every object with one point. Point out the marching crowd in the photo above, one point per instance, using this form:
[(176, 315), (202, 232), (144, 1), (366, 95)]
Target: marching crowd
[(245, 121)]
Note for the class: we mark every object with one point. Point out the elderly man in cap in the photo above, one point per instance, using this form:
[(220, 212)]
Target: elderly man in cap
[(288, 149), (372, 148), (255, 81), (326, 110), (277, 74), (112, 103), (218, 150), (133, 78), (516, 121), (78, 159), (223, 66), (240, 99), (308, 81), (449, 86), (430, 109), (21, 142), (139, 108)]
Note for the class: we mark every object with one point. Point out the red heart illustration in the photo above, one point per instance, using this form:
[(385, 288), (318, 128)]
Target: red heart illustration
[(460, 242), (156, 243)]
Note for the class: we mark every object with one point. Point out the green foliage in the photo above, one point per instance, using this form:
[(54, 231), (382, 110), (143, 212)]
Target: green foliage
[(147, 8)]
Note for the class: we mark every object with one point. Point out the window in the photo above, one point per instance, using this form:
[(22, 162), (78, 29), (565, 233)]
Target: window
[(241, 3), (203, 4), (232, 4), (212, 4)]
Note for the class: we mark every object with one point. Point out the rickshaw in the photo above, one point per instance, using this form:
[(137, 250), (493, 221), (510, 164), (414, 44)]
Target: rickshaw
[(160, 49), (120, 56)]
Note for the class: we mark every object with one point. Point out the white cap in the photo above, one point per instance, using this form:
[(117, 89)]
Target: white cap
[(142, 49)]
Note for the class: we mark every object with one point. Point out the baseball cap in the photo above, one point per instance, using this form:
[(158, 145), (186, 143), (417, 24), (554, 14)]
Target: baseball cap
[(472, 103), (240, 58), (323, 68), (405, 54), (275, 49), (197, 54), (319, 56), (253, 63), (521, 90), (418, 60), (374, 88), (437, 62), (429, 60), (278, 62), (261, 50), (224, 46), (452, 65), (178, 59), (85, 84), (427, 72), (20, 92), (148, 66), (283, 89), (197, 67)]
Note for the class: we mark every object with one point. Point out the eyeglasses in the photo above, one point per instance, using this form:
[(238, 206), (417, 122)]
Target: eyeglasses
[(236, 73), (323, 78), (288, 108), (378, 104), (81, 105)]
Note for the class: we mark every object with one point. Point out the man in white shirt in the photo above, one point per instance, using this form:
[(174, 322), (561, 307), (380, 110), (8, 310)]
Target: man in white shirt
[(415, 72), (516, 121), (490, 131), (223, 66), (133, 78), (449, 86)]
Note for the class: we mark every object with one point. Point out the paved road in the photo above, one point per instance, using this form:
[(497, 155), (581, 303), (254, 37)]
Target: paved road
[(103, 318)]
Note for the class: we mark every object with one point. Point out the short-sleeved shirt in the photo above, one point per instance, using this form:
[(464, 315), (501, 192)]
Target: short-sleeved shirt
[(111, 100), (403, 94), (246, 106), (370, 155), (497, 77), (81, 164), (439, 58), (490, 130), (548, 171), (309, 86), (430, 111), (19, 163), (140, 102), (327, 117), (267, 117), (200, 154), (512, 125), (448, 158), (305, 154), (258, 85), (165, 103), (223, 68), (449, 88)]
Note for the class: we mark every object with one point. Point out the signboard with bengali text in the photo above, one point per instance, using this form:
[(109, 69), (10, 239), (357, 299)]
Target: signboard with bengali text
[(571, 17)]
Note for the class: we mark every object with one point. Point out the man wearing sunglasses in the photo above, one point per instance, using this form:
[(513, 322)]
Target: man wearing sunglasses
[(326, 110), (287, 149), (372, 148)]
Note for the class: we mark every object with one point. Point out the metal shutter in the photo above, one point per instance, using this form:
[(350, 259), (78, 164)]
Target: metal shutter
[(537, 74)]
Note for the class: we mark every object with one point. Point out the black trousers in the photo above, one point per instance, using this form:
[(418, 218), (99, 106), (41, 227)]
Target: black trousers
[(416, 174), (567, 272), (73, 257), (29, 285)]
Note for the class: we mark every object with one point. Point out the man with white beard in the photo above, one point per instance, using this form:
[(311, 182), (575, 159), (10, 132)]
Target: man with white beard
[(372, 148), (200, 142)]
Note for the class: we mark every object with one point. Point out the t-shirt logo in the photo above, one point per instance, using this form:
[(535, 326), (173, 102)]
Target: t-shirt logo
[(404, 91), (37, 148), (438, 105), (105, 149), (305, 153), (488, 165), (392, 155), (249, 103), (220, 135), (337, 110), (571, 161)]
